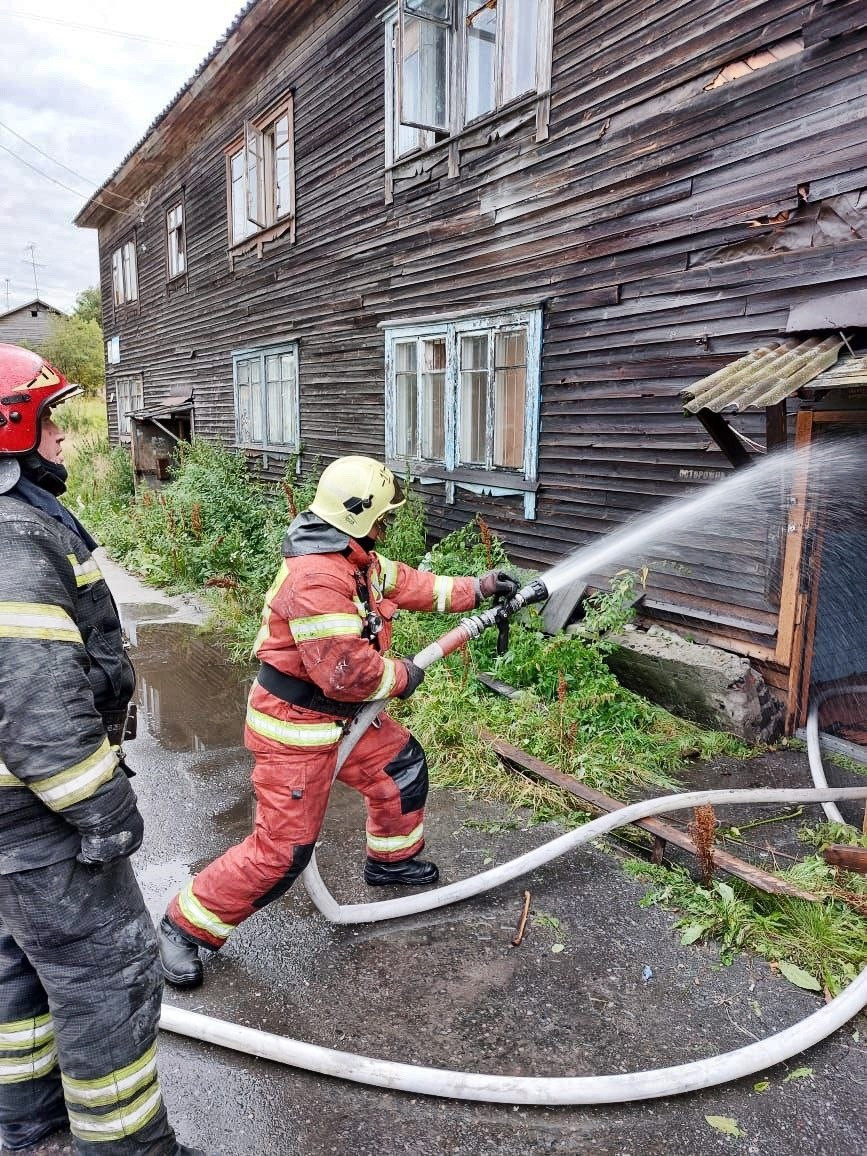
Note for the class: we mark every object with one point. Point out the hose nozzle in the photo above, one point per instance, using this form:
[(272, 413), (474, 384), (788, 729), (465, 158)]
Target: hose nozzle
[(535, 591)]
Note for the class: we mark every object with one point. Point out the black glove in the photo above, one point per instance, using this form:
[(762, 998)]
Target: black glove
[(97, 849), (415, 677), (498, 584)]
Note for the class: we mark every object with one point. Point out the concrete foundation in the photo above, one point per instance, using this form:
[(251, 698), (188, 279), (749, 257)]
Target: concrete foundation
[(708, 686)]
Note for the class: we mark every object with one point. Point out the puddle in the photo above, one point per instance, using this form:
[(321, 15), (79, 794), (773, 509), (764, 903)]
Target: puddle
[(190, 698)]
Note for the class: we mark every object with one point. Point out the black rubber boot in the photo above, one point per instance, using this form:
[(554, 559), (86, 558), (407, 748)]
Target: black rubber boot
[(408, 873), (180, 959)]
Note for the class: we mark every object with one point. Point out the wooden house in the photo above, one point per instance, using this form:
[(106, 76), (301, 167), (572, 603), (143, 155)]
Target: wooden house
[(503, 244), (28, 324)]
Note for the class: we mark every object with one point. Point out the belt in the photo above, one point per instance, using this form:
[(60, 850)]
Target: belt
[(300, 692)]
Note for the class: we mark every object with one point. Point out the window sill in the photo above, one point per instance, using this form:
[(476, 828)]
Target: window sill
[(257, 241), (490, 127), (486, 479)]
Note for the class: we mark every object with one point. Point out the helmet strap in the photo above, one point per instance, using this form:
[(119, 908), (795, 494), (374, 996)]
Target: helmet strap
[(50, 476)]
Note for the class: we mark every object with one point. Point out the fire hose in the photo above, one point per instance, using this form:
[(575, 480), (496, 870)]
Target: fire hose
[(531, 1090)]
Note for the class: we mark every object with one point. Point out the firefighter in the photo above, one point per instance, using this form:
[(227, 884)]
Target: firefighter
[(323, 651), (80, 981)]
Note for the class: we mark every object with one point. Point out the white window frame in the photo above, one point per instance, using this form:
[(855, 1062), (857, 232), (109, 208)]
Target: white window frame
[(124, 273), (425, 138), (176, 242), (129, 396), (479, 478), (261, 354), (252, 183)]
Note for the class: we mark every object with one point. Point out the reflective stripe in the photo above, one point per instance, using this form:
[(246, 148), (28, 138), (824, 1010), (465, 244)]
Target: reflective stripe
[(78, 782), (265, 629), (7, 779), (442, 589), (117, 1125), (199, 915), (385, 843), (17, 1069), (37, 620), (325, 626), (21, 1034), (386, 683), (293, 734), (389, 574), (116, 1086), (86, 573)]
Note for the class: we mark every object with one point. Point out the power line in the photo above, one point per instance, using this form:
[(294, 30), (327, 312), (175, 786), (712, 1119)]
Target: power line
[(54, 181), (60, 164), (102, 30)]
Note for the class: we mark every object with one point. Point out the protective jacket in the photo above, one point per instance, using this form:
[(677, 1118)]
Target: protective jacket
[(326, 626), (64, 676)]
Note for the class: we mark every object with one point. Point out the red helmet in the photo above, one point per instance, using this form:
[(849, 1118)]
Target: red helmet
[(27, 385)]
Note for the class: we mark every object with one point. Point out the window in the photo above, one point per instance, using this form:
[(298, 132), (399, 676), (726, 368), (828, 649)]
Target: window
[(112, 351), (452, 62), (462, 400), (176, 242), (129, 394), (261, 176), (124, 274), (266, 398)]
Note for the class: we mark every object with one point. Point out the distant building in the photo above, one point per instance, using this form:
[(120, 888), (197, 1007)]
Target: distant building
[(30, 323)]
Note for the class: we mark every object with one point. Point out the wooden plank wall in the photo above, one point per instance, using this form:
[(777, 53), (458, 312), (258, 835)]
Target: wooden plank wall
[(668, 227)]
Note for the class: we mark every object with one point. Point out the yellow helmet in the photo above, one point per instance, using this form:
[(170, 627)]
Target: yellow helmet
[(354, 492)]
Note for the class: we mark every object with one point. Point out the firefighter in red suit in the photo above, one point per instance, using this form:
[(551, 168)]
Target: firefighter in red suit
[(323, 652)]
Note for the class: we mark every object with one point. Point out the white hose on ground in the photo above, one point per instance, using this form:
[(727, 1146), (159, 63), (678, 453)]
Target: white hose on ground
[(814, 746), (549, 1090), (476, 884)]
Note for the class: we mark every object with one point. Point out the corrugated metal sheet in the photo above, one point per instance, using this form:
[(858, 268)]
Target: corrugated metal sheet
[(765, 376)]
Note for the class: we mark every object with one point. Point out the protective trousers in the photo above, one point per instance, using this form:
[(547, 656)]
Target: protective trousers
[(292, 785), (80, 991)]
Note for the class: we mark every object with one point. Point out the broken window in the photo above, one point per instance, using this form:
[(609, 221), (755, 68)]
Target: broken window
[(129, 396), (261, 175), (451, 62), (266, 398), (464, 395), (124, 274), (176, 242)]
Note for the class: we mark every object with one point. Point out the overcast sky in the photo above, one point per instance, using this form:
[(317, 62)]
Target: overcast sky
[(83, 96)]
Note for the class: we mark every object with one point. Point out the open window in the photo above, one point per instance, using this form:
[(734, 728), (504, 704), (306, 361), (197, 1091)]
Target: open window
[(451, 63), (176, 242), (260, 178), (124, 274), (462, 401)]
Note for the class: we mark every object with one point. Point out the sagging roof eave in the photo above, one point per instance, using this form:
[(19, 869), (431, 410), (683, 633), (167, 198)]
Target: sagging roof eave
[(252, 19)]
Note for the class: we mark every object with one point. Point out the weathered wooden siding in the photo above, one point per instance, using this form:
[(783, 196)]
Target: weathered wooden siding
[(30, 324), (667, 226)]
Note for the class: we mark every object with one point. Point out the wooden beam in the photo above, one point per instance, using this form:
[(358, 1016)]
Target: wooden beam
[(776, 426), (795, 517), (657, 827), (725, 437)]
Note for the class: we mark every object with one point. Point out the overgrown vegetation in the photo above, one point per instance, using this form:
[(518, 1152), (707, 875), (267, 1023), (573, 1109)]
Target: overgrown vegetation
[(214, 528)]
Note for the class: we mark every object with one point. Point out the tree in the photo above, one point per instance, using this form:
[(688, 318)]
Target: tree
[(88, 305), (74, 346)]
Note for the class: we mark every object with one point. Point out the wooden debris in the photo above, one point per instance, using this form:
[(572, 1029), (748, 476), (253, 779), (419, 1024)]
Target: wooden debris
[(660, 829), (852, 858), (522, 922)]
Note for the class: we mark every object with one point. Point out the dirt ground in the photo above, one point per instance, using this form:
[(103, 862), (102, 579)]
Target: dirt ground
[(598, 985)]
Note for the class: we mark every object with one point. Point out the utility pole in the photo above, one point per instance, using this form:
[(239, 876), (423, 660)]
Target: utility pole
[(31, 249), (8, 281)]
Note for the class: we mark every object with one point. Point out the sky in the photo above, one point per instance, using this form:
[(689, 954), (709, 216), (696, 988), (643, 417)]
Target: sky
[(81, 80)]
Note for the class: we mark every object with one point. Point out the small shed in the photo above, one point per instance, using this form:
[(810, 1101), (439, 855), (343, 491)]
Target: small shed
[(29, 323), (156, 430)]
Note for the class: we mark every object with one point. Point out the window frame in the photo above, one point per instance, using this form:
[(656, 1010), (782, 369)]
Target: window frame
[(181, 229), (261, 353), (120, 383), (124, 274), (489, 478), (459, 123), (258, 156)]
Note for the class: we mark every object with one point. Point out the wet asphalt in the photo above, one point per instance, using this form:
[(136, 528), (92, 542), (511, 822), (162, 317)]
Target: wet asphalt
[(599, 984)]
